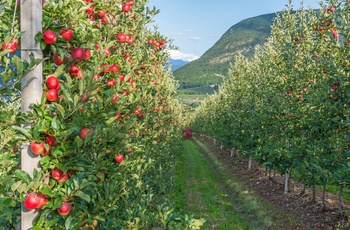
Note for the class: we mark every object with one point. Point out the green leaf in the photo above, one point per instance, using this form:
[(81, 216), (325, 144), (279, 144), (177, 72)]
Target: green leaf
[(18, 64), (23, 176), (68, 222), (47, 191), (60, 109), (23, 131), (55, 123), (83, 196), (59, 70)]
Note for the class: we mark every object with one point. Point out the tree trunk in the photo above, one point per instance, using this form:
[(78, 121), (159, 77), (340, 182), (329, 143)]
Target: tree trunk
[(250, 163), (313, 190), (286, 181), (232, 152), (340, 193), (324, 196), (303, 189)]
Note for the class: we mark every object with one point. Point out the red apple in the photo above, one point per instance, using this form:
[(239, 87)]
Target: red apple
[(57, 59), (59, 175), (83, 133), (32, 201), (114, 68), (101, 13), (87, 55), (78, 54), (122, 78), (64, 209), (111, 83), (90, 10), (63, 178), (47, 152), (75, 71), (37, 147), (126, 7), (97, 77), (56, 173), (52, 94), (42, 200), (51, 140), (49, 37), (115, 98), (119, 158), (121, 37), (52, 82), (12, 45), (67, 34)]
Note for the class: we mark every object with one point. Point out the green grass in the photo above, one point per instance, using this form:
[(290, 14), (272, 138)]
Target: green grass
[(209, 191), (199, 193)]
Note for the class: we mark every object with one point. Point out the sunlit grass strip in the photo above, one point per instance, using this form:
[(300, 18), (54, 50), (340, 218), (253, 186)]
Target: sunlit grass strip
[(261, 214), (199, 193)]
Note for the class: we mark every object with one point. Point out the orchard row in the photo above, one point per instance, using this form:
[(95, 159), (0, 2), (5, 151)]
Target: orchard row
[(288, 107), (107, 126)]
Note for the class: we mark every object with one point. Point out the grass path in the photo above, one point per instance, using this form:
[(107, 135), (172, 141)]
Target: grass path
[(199, 192), (206, 190)]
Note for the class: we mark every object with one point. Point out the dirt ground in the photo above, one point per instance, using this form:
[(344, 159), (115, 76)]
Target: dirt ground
[(309, 214)]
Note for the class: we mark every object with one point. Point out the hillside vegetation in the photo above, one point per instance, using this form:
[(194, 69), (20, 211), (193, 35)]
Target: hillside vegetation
[(211, 68)]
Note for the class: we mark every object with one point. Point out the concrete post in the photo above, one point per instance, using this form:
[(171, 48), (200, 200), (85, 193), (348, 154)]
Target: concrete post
[(31, 17)]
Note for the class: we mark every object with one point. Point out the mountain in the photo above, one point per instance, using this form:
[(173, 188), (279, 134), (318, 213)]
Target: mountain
[(214, 64), (176, 63)]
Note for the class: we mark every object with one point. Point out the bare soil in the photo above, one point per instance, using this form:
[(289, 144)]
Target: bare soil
[(309, 214)]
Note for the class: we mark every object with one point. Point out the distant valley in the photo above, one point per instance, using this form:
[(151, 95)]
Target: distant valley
[(201, 77)]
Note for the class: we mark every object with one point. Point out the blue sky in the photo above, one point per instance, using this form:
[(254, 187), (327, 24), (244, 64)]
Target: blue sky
[(195, 25)]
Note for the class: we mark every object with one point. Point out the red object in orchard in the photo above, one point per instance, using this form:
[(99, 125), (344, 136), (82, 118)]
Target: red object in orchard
[(188, 134), (335, 33), (52, 82), (32, 201), (49, 37), (37, 147), (67, 34), (126, 7), (78, 54), (59, 175), (90, 10), (114, 98), (47, 152), (52, 95), (111, 83), (51, 140), (42, 200), (114, 68), (75, 71), (102, 13), (121, 37), (64, 209), (57, 59), (119, 158), (83, 133), (87, 55), (12, 45)]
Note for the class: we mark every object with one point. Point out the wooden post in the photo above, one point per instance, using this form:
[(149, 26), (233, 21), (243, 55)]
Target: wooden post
[(31, 17)]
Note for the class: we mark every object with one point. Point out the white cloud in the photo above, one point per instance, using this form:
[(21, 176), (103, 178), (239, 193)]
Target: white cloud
[(176, 54), (194, 38)]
